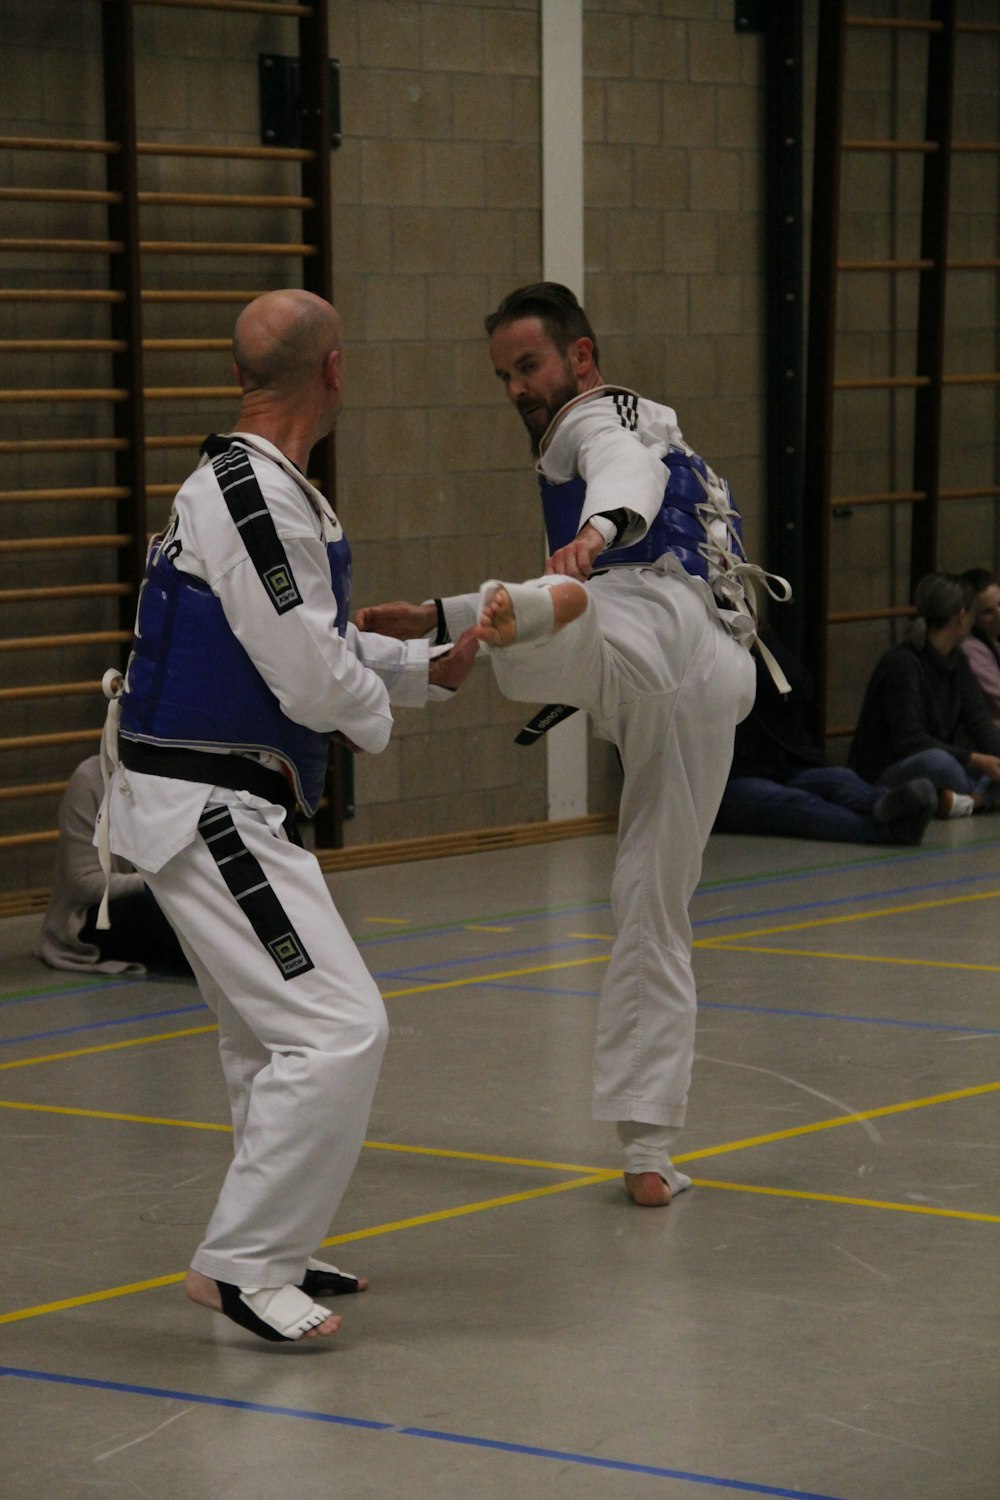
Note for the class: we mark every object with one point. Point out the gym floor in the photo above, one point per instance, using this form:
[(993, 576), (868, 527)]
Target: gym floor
[(817, 1317)]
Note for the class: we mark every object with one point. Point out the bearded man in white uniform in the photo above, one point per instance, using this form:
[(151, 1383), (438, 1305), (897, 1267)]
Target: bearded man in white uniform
[(643, 621), (243, 666)]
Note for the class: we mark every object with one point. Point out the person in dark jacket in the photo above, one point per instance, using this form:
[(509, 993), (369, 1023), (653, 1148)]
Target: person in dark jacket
[(780, 783), (924, 713)]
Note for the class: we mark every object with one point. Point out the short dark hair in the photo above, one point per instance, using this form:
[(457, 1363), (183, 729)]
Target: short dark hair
[(561, 315), (978, 579), (939, 597)]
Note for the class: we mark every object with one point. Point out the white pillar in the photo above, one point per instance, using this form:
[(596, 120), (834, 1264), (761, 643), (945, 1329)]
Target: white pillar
[(562, 260)]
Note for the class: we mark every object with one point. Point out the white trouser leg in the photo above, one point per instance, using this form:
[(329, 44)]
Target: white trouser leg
[(665, 681), (301, 1055), (676, 754)]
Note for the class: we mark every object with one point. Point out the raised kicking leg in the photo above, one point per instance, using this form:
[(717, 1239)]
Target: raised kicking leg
[(520, 613)]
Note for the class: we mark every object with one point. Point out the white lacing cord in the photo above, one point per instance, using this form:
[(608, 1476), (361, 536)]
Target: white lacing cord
[(112, 684), (732, 570)]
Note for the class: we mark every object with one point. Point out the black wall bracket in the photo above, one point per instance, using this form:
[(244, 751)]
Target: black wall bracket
[(280, 113)]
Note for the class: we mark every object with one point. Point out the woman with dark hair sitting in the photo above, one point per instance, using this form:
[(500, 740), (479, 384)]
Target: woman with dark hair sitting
[(982, 644), (924, 713)]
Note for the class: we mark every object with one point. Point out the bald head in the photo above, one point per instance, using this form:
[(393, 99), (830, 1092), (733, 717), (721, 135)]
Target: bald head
[(282, 339)]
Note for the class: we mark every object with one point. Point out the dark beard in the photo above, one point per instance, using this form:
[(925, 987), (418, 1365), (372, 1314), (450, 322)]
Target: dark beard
[(537, 416)]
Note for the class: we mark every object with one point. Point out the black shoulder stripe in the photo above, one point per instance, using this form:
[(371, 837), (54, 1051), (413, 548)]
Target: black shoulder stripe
[(248, 508), (627, 407)]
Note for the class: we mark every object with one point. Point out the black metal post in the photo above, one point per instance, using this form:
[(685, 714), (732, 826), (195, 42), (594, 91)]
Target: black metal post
[(784, 316), (933, 282), (822, 348), (125, 279)]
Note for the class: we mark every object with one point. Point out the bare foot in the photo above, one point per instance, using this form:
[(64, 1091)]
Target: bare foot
[(498, 622), (205, 1291), (497, 625), (647, 1189)]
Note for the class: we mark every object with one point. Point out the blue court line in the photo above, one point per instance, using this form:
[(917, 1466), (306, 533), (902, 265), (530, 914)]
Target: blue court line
[(501, 955), (58, 992), (771, 1010), (151, 1015), (415, 971), (855, 898), (493, 1445)]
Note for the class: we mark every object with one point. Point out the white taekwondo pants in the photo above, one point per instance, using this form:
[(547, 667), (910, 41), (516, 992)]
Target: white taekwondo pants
[(300, 1046), (654, 664)]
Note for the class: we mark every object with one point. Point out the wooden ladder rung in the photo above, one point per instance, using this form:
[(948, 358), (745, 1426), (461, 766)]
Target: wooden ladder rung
[(49, 690), (882, 497), (879, 23), (193, 393), (155, 148), (65, 591), (197, 297), (50, 642), (62, 346), (33, 789), (73, 393), (885, 265), (224, 200), (858, 616), (23, 840), (57, 195), (44, 741), (64, 247), (58, 294), (251, 7), (66, 543), (222, 247), (76, 492), (63, 445), (923, 148)]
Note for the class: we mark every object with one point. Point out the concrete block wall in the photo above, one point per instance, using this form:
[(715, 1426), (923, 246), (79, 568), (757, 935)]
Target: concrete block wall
[(437, 213)]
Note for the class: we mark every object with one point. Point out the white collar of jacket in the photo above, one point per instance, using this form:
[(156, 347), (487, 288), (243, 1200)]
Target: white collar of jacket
[(577, 401), (332, 529)]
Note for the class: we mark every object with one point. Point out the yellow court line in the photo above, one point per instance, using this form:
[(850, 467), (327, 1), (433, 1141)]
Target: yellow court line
[(860, 916), (721, 946), (420, 989), (435, 1151), (591, 1179), (899, 1208), (478, 927), (338, 1239), (503, 1161), (109, 1114), (453, 984), (852, 1119), (138, 1041)]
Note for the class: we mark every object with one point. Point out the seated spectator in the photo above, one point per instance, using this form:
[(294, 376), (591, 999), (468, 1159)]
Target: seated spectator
[(780, 784), (982, 645), (924, 713), (140, 936)]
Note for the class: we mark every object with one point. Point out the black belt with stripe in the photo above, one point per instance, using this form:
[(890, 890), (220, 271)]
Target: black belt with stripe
[(547, 718), (235, 772)]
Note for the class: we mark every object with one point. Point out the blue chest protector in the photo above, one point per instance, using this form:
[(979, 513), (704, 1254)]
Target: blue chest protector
[(191, 684), (680, 526)]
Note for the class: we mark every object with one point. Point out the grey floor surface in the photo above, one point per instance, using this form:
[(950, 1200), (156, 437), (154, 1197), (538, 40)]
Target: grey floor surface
[(816, 1318)]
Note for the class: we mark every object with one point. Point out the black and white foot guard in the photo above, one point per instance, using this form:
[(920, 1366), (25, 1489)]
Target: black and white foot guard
[(280, 1314), (321, 1280)]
